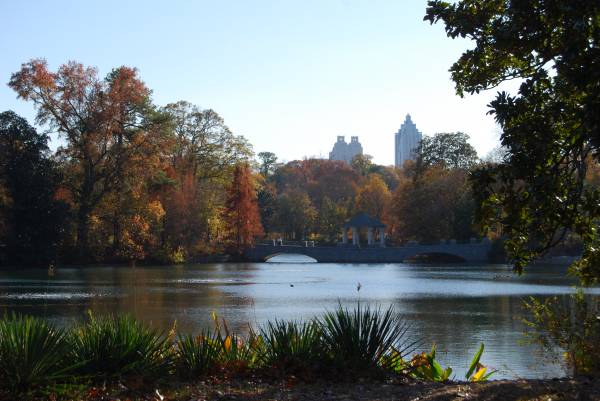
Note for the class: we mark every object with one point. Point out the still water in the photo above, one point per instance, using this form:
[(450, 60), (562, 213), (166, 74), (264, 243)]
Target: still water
[(455, 306)]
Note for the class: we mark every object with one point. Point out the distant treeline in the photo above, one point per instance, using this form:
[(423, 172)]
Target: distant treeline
[(133, 181)]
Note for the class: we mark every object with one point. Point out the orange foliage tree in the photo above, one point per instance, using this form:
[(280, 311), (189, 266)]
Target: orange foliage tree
[(105, 123), (241, 210)]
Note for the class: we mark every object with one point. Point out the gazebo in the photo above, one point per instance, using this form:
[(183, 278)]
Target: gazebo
[(363, 220)]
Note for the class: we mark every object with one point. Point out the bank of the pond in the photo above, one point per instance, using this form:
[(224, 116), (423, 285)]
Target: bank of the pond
[(290, 390)]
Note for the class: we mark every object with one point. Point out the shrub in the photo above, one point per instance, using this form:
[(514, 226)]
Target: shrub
[(109, 347), (196, 355), (366, 340), (291, 347), (31, 352), (572, 325)]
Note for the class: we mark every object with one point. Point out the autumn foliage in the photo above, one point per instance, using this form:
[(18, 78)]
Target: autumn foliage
[(241, 210), (135, 182)]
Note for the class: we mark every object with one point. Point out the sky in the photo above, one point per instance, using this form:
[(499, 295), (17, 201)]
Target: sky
[(288, 75)]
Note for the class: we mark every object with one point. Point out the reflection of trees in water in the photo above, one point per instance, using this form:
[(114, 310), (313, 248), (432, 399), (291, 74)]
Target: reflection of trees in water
[(458, 325), (161, 296), (157, 296)]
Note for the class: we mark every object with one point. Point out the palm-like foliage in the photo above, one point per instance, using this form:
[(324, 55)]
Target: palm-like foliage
[(31, 352), (196, 355), (291, 347), (118, 346), (365, 340)]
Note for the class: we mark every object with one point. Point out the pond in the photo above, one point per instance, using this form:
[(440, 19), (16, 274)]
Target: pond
[(454, 306)]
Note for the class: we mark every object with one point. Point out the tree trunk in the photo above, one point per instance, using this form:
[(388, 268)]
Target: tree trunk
[(83, 222)]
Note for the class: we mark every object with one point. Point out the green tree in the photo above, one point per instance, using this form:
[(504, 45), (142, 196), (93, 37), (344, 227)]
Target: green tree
[(449, 149), (33, 218), (330, 220), (205, 146), (268, 163), (550, 127), (295, 214)]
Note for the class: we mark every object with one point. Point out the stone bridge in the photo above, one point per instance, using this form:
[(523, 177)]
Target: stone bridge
[(469, 252)]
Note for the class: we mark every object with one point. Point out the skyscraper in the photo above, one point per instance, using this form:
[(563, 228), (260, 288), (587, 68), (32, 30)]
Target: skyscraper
[(346, 151), (407, 140)]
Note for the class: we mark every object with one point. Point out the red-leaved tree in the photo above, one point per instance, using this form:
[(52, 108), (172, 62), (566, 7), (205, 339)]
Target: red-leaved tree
[(241, 210)]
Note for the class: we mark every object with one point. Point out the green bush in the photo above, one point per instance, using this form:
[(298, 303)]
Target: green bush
[(292, 347), (31, 353), (110, 347), (365, 340)]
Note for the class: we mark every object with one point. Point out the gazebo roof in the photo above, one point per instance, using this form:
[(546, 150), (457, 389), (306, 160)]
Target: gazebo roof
[(363, 220)]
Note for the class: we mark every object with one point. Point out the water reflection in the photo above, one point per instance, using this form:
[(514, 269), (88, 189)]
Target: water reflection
[(457, 307)]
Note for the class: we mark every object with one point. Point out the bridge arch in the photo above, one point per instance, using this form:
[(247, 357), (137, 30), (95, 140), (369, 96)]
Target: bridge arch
[(304, 258), (435, 257)]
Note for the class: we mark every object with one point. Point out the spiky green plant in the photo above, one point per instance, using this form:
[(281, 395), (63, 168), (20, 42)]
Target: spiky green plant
[(237, 353), (196, 355), (366, 340), (31, 353), (109, 347), (292, 347)]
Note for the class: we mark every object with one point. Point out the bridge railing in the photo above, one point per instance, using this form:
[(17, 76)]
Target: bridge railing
[(281, 242)]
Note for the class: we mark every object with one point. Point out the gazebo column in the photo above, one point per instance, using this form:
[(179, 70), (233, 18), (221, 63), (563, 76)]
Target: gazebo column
[(370, 236), (354, 236), (382, 236), (344, 236)]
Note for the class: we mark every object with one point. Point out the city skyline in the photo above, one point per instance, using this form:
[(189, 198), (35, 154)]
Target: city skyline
[(299, 72)]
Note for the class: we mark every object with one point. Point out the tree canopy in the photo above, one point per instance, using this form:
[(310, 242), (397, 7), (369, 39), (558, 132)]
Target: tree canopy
[(550, 127)]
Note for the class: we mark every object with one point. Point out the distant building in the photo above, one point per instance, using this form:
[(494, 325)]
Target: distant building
[(407, 141), (346, 151)]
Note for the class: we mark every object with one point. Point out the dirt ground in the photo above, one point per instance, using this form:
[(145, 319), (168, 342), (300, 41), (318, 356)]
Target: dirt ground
[(501, 390)]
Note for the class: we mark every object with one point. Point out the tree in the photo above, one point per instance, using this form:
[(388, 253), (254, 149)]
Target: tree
[(374, 198), (550, 127), (330, 220), (268, 162), (452, 150), (204, 157), (362, 164), (439, 205), (104, 122), (205, 146), (241, 210), (295, 214), (33, 218)]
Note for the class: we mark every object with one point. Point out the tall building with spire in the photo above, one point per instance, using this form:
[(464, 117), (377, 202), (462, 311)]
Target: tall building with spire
[(407, 141)]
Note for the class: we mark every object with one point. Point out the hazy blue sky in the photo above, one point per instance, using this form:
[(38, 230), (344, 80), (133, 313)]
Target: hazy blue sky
[(289, 75)]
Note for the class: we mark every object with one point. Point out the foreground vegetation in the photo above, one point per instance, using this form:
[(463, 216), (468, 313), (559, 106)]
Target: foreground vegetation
[(341, 345)]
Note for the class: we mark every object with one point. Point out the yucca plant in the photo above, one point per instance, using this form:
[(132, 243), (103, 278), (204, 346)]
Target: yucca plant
[(366, 340), (292, 347), (197, 355), (112, 347), (32, 353)]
